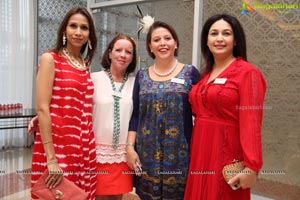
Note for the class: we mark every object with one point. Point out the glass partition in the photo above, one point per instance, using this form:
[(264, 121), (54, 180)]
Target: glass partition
[(110, 21)]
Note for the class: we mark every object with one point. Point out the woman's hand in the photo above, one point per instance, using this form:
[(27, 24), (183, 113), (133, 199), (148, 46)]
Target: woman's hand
[(55, 174), (32, 125), (133, 160), (245, 179)]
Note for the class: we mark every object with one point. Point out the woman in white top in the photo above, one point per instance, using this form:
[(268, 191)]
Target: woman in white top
[(112, 108)]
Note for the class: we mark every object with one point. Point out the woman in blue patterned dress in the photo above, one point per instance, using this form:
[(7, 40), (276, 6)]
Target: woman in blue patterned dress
[(161, 124)]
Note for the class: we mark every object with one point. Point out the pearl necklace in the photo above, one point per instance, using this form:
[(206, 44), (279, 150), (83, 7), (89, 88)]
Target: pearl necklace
[(167, 73), (117, 96), (72, 61)]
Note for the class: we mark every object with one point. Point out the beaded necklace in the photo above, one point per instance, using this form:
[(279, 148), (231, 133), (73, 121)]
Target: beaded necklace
[(73, 62), (117, 96)]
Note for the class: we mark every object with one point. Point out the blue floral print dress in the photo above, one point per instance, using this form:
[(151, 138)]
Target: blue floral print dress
[(162, 117)]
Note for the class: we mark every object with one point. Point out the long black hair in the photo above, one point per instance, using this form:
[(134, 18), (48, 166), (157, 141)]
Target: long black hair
[(92, 33), (240, 48)]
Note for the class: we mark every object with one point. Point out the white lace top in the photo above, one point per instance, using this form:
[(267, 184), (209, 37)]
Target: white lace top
[(103, 116)]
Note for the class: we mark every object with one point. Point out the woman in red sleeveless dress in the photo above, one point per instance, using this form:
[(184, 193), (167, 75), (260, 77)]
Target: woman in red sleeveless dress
[(65, 141)]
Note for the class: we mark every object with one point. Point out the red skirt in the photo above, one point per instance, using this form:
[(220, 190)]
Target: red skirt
[(114, 179)]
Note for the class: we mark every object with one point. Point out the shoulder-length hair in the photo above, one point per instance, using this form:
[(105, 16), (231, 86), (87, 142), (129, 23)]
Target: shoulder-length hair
[(105, 62), (160, 24), (239, 50), (92, 33)]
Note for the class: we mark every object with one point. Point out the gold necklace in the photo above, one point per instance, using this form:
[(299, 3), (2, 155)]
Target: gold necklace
[(72, 61), (167, 73)]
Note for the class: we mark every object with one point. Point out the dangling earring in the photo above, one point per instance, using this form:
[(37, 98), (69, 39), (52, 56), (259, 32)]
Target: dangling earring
[(90, 45), (64, 39)]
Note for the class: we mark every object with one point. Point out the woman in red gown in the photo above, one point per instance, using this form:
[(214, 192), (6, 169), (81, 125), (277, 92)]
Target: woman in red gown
[(227, 104)]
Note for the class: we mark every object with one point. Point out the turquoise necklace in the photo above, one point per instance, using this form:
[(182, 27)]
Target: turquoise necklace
[(117, 96)]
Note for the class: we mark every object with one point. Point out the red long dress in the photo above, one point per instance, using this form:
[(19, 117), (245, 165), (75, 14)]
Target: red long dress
[(227, 126), (73, 137)]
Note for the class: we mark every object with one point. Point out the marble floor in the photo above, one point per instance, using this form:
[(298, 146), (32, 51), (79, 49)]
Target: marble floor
[(14, 181), (15, 184)]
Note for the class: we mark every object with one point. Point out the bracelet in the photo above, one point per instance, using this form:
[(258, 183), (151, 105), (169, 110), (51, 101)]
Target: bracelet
[(130, 144), (47, 142), (51, 162)]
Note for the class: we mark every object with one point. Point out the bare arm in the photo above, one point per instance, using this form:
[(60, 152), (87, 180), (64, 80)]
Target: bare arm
[(44, 82), (45, 79)]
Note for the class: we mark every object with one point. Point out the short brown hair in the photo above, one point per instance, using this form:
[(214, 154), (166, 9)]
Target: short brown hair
[(105, 62), (160, 24)]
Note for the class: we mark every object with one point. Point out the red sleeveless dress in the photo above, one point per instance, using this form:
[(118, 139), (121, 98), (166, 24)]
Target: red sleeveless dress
[(72, 133)]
